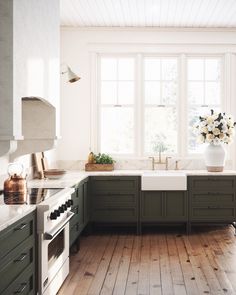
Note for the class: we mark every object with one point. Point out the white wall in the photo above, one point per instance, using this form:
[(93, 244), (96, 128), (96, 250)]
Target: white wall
[(77, 47)]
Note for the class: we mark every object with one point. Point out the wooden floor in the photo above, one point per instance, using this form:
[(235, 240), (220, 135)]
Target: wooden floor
[(155, 263)]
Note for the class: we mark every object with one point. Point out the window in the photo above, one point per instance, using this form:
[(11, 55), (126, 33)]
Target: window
[(145, 102), (160, 105), (204, 93), (117, 105)]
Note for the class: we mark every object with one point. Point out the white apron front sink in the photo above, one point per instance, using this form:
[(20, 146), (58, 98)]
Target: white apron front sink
[(164, 181)]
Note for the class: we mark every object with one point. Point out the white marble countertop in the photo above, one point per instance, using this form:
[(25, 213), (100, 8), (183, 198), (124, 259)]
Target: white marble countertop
[(11, 213), (74, 177)]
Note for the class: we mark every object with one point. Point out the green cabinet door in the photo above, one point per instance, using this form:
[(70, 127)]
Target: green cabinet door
[(81, 209), (157, 206), (176, 206), (81, 206), (86, 202), (152, 206)]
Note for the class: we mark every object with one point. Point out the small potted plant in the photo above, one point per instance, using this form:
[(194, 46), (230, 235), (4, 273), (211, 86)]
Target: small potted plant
[(99, 162), (215, 129)]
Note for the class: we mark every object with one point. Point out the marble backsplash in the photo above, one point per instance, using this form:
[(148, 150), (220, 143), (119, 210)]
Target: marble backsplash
[(142, 164)]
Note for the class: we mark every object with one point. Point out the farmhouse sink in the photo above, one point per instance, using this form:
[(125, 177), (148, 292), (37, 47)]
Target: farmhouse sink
[(164, 181)]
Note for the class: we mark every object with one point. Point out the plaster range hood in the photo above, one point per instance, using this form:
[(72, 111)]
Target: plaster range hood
[(38, 127)]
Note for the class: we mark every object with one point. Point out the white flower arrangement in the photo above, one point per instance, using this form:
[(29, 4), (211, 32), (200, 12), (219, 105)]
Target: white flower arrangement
[(215, 128)]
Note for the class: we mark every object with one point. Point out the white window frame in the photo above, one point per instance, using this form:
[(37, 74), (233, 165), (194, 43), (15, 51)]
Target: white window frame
[(98, 149), (182, 107), (222, 87), (177, 56)]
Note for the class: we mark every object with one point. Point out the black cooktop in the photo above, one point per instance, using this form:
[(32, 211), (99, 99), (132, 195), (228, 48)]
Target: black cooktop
[(33, 196)]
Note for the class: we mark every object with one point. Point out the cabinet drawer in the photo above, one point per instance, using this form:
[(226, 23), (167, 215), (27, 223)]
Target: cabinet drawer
[(213, 198), (23, 285), (114, 184), (212, 183), (114, 199), (16, 263), (213, 213), (15, 234), (110, 215)]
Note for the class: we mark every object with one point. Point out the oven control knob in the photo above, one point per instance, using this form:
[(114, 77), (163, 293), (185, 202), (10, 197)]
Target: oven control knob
[(53, 215), (57, 212), (61, 209), (64, 207), (68, 204)]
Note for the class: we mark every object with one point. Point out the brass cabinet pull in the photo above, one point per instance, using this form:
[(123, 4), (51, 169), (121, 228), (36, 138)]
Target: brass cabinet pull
[(21, 258), (22, 226), (21, 289)]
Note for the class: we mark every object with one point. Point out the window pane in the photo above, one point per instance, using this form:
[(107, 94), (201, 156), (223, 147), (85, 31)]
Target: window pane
[(125, 92), (195, 69), (169, 69), (108, 68), (212, 92), (109, 92), (160, 129), (117, 130), (126, 69), (152, 92), (196, 92), (212, 70), (194, 113), (169, 93), (152, 68)]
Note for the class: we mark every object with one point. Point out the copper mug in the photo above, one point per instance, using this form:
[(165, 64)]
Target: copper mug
[(15, 187)]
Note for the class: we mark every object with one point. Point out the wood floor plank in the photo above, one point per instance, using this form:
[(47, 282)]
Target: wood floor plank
[(175, 267), (122, 276), (86, 275), (194, 249), (166, 278), (143, 280), (110, 279), (155, 271), (187, 269), (132, 281), (101, 272), (211, 249), (155, 264)]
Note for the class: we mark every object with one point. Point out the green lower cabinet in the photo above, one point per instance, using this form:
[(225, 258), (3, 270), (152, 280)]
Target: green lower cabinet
[(115, 199), (158, 206), (17, 266), (79, 221)]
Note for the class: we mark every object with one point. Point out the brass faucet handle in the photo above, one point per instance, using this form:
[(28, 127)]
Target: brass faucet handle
[(177, 164), (167, 162), (153, 162)]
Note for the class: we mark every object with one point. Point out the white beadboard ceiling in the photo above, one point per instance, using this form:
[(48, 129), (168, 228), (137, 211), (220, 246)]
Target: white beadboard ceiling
[(149, 13)]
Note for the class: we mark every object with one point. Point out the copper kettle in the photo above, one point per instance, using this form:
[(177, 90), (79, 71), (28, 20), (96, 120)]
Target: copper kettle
[(15, 187)]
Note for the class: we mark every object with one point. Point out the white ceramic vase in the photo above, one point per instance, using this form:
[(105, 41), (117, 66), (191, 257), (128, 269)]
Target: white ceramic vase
[(215, 158)]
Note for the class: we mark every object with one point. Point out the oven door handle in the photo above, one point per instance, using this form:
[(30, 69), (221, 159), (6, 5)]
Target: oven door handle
[(51, 235)]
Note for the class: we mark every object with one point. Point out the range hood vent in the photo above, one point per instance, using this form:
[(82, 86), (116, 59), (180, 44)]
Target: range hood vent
[(38, 126)]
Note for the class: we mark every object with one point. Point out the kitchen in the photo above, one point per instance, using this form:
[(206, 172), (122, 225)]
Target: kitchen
[(133, 104)]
